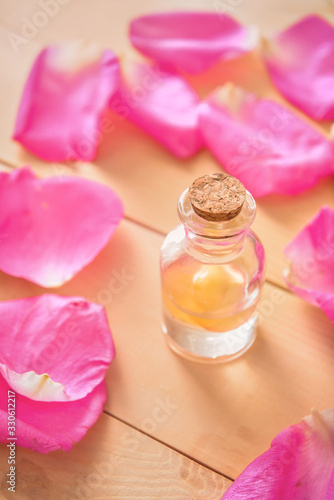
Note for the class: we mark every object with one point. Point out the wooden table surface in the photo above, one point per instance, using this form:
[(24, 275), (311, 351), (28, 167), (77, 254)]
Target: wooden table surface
[(171, 429)]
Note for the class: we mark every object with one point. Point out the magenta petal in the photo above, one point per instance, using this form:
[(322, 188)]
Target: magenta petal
[(298, 466), (190, 41), (266, 146), (311, 258), (300, 62), (53, 227), (67, 338), (163, 104), (63, 102), (46, 427)]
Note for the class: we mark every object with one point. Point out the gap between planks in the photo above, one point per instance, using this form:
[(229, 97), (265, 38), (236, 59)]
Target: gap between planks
[(212, 469), (180, 452), (157, 231)]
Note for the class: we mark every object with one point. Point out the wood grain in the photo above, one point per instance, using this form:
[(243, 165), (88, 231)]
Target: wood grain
[(148, 178), (223, 416), (112, 462)]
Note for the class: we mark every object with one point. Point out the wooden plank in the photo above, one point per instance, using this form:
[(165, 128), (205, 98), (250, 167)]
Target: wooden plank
[(223, 416), (150, 181), (148, 178), (277, 222), (114, 462)]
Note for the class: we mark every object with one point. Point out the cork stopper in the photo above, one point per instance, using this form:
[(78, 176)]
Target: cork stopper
[(217, 197)]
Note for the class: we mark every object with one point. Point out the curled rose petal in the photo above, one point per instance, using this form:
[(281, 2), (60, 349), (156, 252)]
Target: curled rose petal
[(45, 427), (163, 104), (191, 41), (54, 348), (262, 143), (53, 227), (299, 465), (300, 63), (64, 100), (311, 262)]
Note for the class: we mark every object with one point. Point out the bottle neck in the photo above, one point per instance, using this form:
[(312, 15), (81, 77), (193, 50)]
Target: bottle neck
[(211, 241), (217, 250)]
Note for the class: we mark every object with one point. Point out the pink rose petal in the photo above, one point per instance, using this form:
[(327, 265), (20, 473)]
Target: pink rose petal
[(67, 338), (266, 146), (53, 227), (46, 427), (298, 466), (190, 41), (300, 63), (163, 104), (311, 256), (64, 99)]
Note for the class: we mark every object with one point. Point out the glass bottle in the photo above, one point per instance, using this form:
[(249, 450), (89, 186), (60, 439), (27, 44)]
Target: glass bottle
[(212, 272)]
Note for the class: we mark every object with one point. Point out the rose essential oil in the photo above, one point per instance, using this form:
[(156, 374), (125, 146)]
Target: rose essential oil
[(212, 271)]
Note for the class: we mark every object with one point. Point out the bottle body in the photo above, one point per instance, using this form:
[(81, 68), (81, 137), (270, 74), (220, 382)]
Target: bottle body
[(211, 285)]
